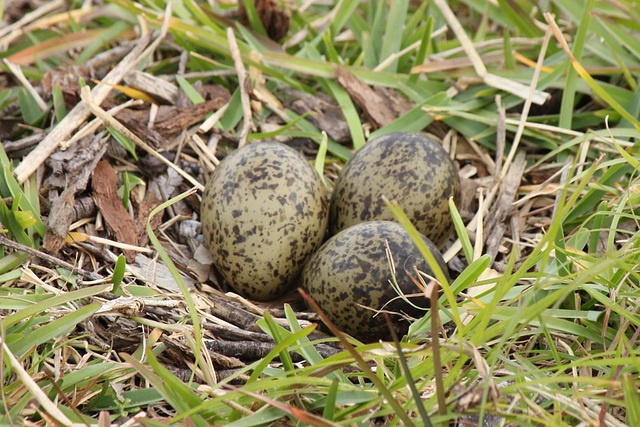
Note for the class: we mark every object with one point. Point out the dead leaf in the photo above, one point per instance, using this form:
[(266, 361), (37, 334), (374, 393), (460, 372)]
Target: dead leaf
[(374, 105), (105, 186)]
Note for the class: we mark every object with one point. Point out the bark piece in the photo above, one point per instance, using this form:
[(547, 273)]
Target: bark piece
[(76, 164), (149, 203), (105, 185), (328, 115), (397, 102), (374, 105), (171, 120), (137, 122), (159, 89), (179, 353), (252, 350)]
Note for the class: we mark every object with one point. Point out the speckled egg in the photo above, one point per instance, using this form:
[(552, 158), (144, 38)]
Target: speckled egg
[(350, 278), (264, 212), (408, 167)]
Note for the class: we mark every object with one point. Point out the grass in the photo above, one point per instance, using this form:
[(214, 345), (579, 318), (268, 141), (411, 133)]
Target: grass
[(543, 333)]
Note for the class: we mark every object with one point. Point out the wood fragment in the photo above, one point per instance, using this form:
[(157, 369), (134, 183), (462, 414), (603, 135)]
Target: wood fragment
[(155, 273), (252, 350), (141, 50), (178, 352), (171, 120), (149, 203), (78, 163), (159, 89), (135, 121), (327, 114), (22, 146), (104, 184), (373, 104)]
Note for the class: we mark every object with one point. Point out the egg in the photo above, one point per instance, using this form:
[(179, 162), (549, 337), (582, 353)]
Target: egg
[(408, 167), (264, 212), (350, 278)]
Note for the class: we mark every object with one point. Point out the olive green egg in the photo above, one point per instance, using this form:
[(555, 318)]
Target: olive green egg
[(350, 278), (264, 212), (408, 167)]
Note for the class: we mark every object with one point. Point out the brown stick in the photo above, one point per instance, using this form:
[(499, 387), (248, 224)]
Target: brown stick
[(57, 261)]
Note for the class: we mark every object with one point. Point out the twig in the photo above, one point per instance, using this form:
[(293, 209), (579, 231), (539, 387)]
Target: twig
[(245, 87), (57, 261)]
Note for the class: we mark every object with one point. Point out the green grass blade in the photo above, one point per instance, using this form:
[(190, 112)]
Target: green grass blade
[(267, 135), (631, 399), (461, 231), (392, 38), (13, 260), (321, 156), (193, 312), (569, 93), (281, 346), (509, 58), (191, 93), (101, 40), (423, 50), (55, 329), (328, 412), (349, 111), (163, 381), (253, 17), (195, 9), (59, 107), (519, 18), (118, 272), (346, 9), (402, 218), (61, 299), (29, 108), (278, 337)]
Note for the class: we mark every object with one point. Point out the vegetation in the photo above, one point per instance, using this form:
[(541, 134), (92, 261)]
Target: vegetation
[(540, 323)]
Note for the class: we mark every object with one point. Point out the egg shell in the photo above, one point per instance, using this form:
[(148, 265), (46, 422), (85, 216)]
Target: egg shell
[(408, 167), (264, 212), (352, 270)]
